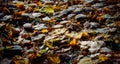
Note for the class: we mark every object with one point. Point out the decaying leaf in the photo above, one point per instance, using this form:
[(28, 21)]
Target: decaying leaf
[(25, 36)]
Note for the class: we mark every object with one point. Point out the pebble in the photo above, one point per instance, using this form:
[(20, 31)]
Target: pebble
[(27, 25)]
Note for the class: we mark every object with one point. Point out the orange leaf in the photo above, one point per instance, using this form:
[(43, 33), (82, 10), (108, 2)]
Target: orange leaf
[(73, 42), (85, 35), (39, 4), (44, 31), (20, 5)]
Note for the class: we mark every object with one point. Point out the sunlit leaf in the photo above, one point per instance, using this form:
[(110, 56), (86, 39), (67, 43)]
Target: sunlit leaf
[(78, 36), (49, 10), (20, 5), (44, 30), (73, 42)]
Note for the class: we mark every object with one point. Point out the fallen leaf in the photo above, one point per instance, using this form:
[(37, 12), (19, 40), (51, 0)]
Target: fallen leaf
[(20, 5), (54, 59), (85, 34), (44, 31), (49, 10), (73, 42), (48, 45), (102, 58), (78, 36), (39, 4)]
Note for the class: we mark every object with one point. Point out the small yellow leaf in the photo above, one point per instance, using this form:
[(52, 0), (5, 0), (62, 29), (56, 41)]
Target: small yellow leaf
[(38, 54), (102, 58), (73, 42), (44, 31), (49, 10), (48, 45)]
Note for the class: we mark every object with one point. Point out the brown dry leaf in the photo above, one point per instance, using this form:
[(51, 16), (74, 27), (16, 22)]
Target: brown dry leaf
[(7, 9), (73, 42), (36, 0), (51, 20), (54, 59), (8, 26), (105, 9), (25, 36), (55, 7), (117, 23)]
